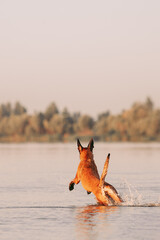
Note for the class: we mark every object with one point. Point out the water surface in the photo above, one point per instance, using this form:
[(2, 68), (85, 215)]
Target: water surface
[(35, 202)]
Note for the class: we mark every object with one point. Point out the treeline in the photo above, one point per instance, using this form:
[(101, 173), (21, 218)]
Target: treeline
[(139, 123)]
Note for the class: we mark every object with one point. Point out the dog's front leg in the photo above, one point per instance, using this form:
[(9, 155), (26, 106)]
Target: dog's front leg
[(73, 182)]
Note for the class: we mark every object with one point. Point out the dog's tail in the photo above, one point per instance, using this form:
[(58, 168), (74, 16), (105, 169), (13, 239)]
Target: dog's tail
[(108, 190), (104, 173)]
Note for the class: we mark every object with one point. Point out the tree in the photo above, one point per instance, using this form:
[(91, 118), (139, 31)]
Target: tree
[(103, 115), (149, 104), (101, 126), (36, 123), (50, 111), (68, 121), (56, 124), (15, 124), (5, 110), (85, 122), (19, 109)]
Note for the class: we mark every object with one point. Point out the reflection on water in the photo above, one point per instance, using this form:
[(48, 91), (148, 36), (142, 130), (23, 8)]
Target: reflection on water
[(91, 219)]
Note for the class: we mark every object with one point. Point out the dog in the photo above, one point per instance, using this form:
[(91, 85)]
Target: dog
[(87, 173)]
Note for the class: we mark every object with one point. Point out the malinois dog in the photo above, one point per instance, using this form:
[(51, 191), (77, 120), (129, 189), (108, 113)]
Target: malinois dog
[(88, 174)]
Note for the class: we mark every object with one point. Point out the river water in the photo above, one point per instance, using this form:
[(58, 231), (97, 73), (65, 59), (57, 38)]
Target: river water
[(35, 202)]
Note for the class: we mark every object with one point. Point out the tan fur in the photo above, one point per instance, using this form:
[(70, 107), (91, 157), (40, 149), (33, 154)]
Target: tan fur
[(88, 174)]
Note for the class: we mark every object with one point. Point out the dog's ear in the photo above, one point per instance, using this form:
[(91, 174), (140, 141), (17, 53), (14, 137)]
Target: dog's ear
[(80, 148), (91, 144)]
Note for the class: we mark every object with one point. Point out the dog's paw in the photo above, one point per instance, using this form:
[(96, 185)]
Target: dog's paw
[(71, 186), (89, 192)]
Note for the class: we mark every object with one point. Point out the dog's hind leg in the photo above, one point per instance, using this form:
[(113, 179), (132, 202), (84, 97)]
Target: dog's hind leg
[(112, 193)]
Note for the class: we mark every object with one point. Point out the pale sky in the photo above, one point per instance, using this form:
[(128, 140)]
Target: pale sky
[(89, 56)]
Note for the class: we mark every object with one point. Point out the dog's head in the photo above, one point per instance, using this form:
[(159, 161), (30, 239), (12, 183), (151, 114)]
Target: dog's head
[(86, 152)]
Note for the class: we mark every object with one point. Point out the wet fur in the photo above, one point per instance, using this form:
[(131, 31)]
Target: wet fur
[(87, 173)]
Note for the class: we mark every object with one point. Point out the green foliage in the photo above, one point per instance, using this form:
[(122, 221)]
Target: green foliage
[(85, 123), (5, 110), (103, 115), (139, 123), (19, 109), (50, 111)]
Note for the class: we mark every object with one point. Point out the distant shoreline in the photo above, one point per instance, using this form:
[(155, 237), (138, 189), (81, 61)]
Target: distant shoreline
[(140, 123), (70, 139)]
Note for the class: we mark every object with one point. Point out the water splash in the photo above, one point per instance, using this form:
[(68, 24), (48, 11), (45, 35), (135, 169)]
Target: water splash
[(133, 198)]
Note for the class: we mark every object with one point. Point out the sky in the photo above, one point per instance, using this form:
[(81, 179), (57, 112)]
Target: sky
[(89, 56)]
